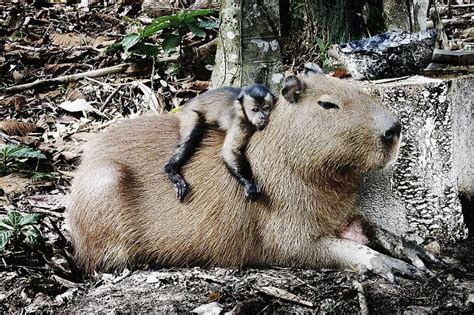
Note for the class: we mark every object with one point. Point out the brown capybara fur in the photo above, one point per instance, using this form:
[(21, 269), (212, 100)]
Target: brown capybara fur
[(123, 211)]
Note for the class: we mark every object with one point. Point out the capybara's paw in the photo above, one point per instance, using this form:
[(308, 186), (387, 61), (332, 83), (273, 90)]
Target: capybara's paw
[(407, 250), (389, 267), (251, 191)]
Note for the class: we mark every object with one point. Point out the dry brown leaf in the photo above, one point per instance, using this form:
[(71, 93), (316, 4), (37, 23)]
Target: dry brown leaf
[(14, 183), (18, 128), (17, 101), (341, 73), (70, 40)]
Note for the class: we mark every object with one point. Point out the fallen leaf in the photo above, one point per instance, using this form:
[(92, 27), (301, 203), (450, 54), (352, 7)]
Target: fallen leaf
[(341, 73), (14, 183), (208, 309), (18, 128), (79, 105)]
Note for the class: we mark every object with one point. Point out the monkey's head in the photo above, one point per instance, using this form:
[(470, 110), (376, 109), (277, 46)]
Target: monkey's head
[(257, 102), (334, 125)]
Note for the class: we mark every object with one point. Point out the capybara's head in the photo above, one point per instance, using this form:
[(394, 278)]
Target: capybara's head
[(333, 126)]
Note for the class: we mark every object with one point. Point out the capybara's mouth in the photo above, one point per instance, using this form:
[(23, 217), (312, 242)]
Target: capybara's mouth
[(392, 150)]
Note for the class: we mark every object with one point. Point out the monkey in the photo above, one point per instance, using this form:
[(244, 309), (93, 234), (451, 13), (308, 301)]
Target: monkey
[(237, 111)]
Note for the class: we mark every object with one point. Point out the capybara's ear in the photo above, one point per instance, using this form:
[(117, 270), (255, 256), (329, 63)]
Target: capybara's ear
[(292, 88), (311, 68)]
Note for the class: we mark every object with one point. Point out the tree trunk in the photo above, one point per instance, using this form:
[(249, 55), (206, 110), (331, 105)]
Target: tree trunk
[(405, 15), (248, 50)]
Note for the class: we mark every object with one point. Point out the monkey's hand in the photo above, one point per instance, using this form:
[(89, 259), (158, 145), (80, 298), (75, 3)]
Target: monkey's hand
[(251, 190), (405, 250)]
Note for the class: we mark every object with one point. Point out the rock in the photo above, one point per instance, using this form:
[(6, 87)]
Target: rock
[(419, 197), (434, 247), (387, 55)]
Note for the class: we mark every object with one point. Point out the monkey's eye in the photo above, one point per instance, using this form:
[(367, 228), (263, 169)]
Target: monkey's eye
[(255, 109), (266, 108), (327, 105)]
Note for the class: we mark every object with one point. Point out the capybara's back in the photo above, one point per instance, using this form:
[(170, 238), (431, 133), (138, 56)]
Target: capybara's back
[(309, 159)]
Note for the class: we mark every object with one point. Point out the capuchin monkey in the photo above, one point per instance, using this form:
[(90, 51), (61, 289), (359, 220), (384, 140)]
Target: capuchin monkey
[(237, 111)]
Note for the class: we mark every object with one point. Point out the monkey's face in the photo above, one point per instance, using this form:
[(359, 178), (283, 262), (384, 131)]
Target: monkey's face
[(258, 109)]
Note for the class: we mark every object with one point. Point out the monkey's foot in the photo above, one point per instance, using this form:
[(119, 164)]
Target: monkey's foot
[(251, 191), (178, 181), (181, 189), (406, 250)]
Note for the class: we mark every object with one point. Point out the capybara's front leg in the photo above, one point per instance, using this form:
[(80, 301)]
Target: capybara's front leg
[(352, 255)]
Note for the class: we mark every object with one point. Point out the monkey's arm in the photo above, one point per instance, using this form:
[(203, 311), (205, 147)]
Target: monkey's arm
[(191, 132), (234, 157)]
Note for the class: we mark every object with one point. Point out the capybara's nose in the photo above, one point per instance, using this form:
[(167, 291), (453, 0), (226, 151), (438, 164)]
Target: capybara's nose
[(392, 133)]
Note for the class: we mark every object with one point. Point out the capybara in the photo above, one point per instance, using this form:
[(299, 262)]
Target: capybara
[(310, 157)]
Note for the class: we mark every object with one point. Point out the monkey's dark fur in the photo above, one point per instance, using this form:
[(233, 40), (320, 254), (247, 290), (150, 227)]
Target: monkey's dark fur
[(239, 112)]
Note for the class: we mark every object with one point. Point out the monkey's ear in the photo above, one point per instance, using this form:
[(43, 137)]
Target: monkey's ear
[(292, 88), (310, 68)]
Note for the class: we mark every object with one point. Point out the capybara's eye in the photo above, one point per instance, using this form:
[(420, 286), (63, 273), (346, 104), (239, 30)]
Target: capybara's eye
[(327, 105)]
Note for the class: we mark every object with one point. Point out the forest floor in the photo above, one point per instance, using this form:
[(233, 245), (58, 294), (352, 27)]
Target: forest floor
[(47, 42)]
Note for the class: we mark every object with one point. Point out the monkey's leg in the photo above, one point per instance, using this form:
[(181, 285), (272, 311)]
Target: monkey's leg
[(234, 158), (191, 132)]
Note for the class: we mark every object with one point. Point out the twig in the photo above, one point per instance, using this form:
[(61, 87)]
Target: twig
[(284, 295), (47, 212), (364, 310), (210, 278), (109, 98)]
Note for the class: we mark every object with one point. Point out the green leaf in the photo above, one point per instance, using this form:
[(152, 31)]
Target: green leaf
[(26, 152), (196, 30), (33, 236), (13, 219), (4, 238), (9, 149), (171, 42), (197, 13), (113, 47), (154, 28), (5, 227), (30, 218), (208, 25), (129, 41), (41, 175), (148, 50)]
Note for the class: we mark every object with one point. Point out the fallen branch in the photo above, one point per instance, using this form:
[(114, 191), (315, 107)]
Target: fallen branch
[(67, 78), (364, 310), (121, 68), (284, 295)]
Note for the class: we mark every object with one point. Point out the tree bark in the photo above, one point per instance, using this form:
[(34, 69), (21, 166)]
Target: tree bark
[(248, 49)]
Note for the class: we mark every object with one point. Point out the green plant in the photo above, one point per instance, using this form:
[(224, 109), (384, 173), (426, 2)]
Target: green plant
[(323, 48), (13, 157), (16, 229), (172, 29)]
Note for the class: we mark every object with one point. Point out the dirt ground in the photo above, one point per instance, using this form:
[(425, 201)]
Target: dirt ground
[(244, 291)]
